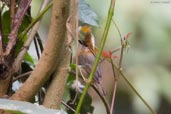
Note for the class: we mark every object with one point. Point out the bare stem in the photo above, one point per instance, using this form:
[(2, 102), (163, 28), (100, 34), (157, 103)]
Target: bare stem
[(1, 44), (114, 87), (22, 8), (30, 38), (135, 91), (103, 99), (12, 11), (37, 48), (66, 105), (22, 75), (76, 35), (51, 53)]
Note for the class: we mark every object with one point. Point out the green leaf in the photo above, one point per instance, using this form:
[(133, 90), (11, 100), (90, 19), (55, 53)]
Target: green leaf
[(86, 14), (70, 94), (87, 104), (72, 66), (13, 112), (29, 59), (6, 29), (20, 107), (5, 25)]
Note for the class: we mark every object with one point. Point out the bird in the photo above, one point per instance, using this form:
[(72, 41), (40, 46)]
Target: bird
[(86, 57)]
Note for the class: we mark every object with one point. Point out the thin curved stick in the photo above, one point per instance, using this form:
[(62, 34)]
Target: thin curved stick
[(102, 98), (136, 92)]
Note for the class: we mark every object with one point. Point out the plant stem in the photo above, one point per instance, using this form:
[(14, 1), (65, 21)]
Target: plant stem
[(104, 37), (136, 92), (76, 37), (51, 55), (103, 99), (35, 20), (12, 11), (30, 38), (124, 77), (114, 87)]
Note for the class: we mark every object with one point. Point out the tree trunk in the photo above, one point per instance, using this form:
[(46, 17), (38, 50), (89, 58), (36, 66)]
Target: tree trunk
[(55, 92), (51, 54)]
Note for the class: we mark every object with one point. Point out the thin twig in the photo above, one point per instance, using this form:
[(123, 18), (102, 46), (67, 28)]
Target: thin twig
[(135, 91), (27, 43), (21, 76), (121, 57), (21, 35), (66, 105), (12, 11), (1, 41), (120, 65), (39, 42), (76, 36), (22, 8), (117, 28), (103, 99), (115, 50), (37, 48), (122, 47), (114, 87)]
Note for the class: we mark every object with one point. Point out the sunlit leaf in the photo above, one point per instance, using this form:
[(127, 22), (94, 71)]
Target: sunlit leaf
[(28, 59)]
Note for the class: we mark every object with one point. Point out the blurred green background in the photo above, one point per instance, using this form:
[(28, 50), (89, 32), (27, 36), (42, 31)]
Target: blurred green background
[(147, 62)]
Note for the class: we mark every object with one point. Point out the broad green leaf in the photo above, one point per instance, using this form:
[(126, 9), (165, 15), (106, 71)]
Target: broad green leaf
[(86, 14), (5, 25), (26, 108)]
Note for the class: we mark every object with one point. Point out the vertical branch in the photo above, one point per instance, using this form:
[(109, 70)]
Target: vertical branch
[(105, 102), (56, 89), (114, 87), (36, 47), (135, 91), (27, 43), (22, 8), (1, 44), (104, 37), (51, 54), (12, 11), (116, 77), (122, 46), (76, 36), (39, 42)]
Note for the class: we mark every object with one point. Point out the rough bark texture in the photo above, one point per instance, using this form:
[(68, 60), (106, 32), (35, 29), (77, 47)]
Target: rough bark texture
[(56, 90), (6, 55), (4, 86), (51, 54)]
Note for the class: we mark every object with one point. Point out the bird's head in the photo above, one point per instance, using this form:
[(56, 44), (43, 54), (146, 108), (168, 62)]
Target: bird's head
[(86, 36)]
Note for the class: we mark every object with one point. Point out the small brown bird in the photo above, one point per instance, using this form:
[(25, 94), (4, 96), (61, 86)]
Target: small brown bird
[(86, 57)]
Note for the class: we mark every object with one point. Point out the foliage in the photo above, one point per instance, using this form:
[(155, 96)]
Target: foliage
[(6, 27), (86, 14), (76, 98), (20, 107), (74, 95)]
